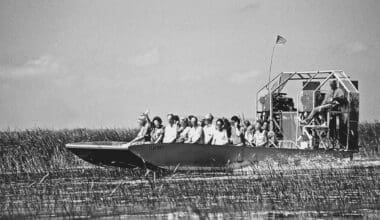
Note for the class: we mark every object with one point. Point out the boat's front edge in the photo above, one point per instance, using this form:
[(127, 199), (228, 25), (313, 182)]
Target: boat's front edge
[(107, 154)]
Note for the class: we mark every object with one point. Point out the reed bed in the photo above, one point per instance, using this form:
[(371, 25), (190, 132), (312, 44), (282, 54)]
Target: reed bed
[(40, 178), (41, 150)]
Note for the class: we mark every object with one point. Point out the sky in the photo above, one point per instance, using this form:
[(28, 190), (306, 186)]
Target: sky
[(90, 63)]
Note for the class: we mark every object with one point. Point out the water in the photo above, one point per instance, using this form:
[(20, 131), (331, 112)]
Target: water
[(292, 189)]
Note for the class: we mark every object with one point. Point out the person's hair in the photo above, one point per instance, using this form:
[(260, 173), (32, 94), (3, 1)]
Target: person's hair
[(175, 117), (235, 118), (203, 122), (221, 121), (186, 121), (247, 123), (227, 126), (192, 116), (172, 115), (210, 117), (260, 122), (157, 119)]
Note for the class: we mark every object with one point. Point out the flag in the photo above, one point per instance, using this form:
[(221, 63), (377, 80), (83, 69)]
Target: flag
[(280, 40)]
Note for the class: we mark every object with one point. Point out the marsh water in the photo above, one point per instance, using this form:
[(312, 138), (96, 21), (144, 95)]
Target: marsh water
[(333, 190)]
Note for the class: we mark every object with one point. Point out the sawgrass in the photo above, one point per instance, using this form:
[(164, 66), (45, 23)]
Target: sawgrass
[(41, 150), (369, 139)]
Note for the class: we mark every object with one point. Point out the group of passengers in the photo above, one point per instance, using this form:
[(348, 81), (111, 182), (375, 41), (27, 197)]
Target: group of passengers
[(206, 131)]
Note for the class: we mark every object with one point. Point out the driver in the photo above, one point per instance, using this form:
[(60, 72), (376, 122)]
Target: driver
[(334, 98)]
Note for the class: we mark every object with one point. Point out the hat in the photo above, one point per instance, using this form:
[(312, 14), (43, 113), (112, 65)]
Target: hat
[(209, 116)]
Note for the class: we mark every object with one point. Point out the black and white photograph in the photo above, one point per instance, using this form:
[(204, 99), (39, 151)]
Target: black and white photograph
[(189, 109)]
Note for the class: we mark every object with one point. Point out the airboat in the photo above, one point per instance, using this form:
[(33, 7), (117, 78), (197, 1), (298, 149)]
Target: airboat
[(286, 100)]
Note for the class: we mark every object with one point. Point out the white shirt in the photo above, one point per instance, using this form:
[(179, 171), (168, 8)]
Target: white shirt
[(220, 137), (185, 133), (195, 135), (249, 136), (170, 133), (260, 138), (208, 131)]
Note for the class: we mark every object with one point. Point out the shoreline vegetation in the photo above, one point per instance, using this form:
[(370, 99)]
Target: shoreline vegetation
[(42, 150), (39, 178)]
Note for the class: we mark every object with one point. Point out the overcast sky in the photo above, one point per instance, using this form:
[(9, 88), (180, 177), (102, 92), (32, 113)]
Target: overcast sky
[(101, 63)]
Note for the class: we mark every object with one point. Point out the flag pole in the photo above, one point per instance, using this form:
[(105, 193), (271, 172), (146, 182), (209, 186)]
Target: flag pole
[(269, 79), (271, 61)]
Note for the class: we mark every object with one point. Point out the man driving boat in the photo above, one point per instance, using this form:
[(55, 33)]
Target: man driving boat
[(333, 99)]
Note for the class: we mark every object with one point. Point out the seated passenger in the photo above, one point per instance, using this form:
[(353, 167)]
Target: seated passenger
[(260, 137), (202, 122), (249, 131), (272, 139), (227, 126), (208, 128), (220, 134), (183, 131), (246, 124), (176, 120), (157, 133), (143, 135), (171, 130), (237, 136), (196, 132), (265, 126)]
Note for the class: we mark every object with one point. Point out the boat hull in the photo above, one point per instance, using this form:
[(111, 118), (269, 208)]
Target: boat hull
[(106, 154), (188, 156)]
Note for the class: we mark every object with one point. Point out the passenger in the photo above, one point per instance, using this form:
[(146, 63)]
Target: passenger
[(244, 127), (176, 120), (227, 126), (144, 132), (272, 139), (260, 137), (171, 130), (202, 123), (237, 136), (220, 134), (265, 126), (246, 124), (249, 131), (196, 132), (183, 130), (208, 128), (157, 133)]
